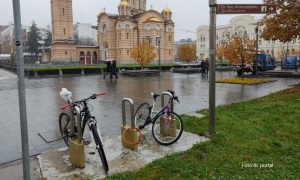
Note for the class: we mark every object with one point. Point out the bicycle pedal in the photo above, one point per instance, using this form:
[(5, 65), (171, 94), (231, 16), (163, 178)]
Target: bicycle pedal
[(91, 153)]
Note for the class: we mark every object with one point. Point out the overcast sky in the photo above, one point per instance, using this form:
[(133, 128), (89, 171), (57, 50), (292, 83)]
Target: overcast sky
[(187, 14)]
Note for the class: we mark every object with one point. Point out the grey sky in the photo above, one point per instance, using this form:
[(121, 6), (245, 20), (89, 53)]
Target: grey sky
[(187, 14)]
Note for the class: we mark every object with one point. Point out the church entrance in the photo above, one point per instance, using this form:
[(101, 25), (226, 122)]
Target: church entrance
[(82, 57)]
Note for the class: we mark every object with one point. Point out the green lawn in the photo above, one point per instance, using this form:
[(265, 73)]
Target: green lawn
[(256, 132)]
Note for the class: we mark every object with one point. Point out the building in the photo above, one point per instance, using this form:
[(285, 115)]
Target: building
[(7, 38), (119, 33), (240, 25)]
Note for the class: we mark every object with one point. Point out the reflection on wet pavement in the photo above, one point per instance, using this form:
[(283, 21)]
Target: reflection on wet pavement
[(43, 102)]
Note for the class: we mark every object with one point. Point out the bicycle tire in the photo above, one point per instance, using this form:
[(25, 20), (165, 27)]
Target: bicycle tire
[(65, 127), (141, 115), (167, 135), (100, 148)]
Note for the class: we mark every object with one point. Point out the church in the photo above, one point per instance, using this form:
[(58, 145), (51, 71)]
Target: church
[(117, 34)]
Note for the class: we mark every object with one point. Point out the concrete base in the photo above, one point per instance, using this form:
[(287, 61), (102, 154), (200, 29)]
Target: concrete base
[(77, 153), (55, 164), (130, 136)]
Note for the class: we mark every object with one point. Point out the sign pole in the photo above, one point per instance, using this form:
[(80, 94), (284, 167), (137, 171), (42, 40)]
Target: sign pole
[(21, 89), (212, 68)]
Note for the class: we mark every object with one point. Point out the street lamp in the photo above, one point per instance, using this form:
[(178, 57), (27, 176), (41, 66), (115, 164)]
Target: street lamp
[(158, 44)]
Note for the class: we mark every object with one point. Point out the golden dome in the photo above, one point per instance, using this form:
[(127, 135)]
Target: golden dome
[(101, 12), (167, 10), (124, 4)]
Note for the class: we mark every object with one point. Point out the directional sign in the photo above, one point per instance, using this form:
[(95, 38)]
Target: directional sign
[(245, 9)]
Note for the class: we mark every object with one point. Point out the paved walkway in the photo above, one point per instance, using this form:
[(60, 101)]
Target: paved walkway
[(6, 74)]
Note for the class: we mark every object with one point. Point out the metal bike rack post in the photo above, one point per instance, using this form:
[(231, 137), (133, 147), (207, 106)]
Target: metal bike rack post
[(131, 112), (129, 133), (162, 96)]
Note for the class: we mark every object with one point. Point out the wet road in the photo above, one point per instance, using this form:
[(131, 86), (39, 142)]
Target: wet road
[(43, 102)]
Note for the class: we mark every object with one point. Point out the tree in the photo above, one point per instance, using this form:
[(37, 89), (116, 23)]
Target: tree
[(187, 52), (143, 54), (220, 51), (48, 39), (240, 50), (285, 24), (33, 39)]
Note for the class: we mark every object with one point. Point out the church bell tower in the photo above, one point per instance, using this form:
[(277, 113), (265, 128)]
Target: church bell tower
[(63, 48)]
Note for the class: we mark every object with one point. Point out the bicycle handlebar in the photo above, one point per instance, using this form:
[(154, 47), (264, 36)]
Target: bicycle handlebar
[(94, 96), (173, 94)]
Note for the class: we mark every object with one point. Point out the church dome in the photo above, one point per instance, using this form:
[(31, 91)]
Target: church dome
[(101, 12), (124, 4), (166, 10)]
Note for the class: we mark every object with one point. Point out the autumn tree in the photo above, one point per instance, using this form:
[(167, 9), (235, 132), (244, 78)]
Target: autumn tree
[(221, 51), (187, 52), (240, 50), (284, 25), (143, 54)]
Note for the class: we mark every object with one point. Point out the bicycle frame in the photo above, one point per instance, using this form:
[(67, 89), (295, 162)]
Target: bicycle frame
[(165, 109)]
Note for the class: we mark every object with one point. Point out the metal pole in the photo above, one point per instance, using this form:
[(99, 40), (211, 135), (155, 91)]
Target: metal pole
[(256, 52), (21, 89), (212, 75)]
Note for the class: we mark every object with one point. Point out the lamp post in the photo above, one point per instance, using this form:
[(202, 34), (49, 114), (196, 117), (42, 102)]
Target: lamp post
[(158, 44)]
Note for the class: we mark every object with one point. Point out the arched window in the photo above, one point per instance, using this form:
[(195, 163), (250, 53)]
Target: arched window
[(64, 31), (157, 27), (127, 26), (104, 28), (127, 36), (148, 27), (170, 30)]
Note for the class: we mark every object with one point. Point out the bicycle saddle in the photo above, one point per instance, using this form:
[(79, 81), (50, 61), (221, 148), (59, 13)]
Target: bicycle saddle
[(154, 95)]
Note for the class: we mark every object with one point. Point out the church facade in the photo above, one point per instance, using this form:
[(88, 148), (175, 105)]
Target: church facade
[(119, 34)]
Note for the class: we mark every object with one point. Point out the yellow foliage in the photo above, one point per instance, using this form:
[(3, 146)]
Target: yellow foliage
[(249, 81), (187, 52), (239, 50), (143, 54)]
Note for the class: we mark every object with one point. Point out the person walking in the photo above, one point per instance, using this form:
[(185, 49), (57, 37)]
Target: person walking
[(107, 68), (206, 66), (202, 66), (113, 69)]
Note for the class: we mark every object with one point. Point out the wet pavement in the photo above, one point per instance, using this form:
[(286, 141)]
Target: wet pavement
[(43, 103)]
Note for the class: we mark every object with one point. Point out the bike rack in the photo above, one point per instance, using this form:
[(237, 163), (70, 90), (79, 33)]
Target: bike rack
[(131, 131), (162, 96)]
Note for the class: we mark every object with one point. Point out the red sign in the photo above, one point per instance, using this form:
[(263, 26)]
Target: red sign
[(245, 9)]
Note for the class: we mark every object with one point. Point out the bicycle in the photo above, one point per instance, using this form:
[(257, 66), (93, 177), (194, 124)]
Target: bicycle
[(167, 126), (68, 124)]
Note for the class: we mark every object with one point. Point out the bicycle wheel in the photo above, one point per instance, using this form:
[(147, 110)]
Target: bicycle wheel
[(65, 127), (141, 115), (99, 146), (167, 128)]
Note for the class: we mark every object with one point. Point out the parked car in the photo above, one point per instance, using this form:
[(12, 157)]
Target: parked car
[(290, 62)]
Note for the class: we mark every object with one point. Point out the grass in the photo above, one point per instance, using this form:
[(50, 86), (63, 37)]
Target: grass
[(259, 131), (249, 81)]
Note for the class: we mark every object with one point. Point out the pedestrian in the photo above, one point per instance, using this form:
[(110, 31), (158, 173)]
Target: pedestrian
[(107, 68), (113, 69), (206, 66), (202, 66)]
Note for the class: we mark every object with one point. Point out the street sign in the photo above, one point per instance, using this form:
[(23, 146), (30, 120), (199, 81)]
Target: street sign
[(245, 9)]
